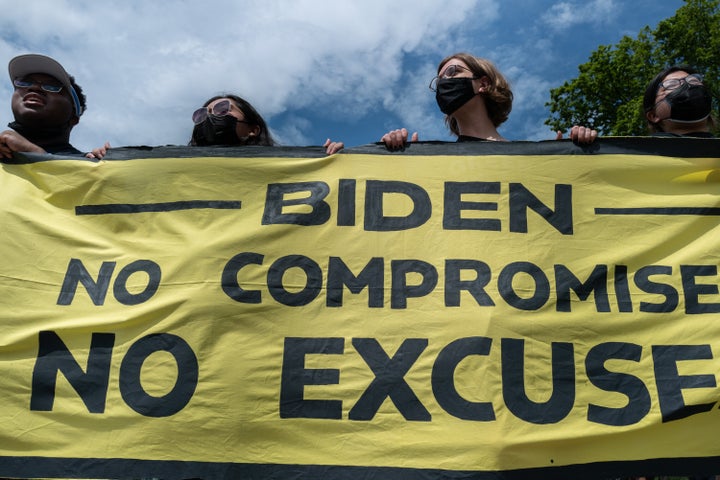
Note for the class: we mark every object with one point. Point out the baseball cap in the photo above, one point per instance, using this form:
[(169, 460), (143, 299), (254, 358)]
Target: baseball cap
[(23, 65)]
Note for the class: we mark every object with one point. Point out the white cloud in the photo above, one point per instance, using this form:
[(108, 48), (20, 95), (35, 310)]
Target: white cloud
[(530, 93), (309, 66), (415, 106), (145, 66), (564, 15)]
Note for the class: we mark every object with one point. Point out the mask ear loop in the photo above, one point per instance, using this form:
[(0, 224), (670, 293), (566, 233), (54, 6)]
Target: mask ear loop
[(657, 124), (76, 101), (685, 87)]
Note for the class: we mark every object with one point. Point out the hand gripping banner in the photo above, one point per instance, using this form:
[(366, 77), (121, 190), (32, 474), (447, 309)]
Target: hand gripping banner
[(494, 310)]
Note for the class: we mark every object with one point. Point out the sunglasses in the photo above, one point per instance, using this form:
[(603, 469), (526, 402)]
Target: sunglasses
[(220, 109), (450, 72), (48, 87), (673, 83)]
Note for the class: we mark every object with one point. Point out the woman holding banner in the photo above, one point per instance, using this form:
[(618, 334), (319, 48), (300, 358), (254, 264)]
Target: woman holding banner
[(231, 120), (474, 96), (677, 103)]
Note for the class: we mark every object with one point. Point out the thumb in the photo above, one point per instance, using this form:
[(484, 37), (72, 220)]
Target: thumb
[(414, 137)]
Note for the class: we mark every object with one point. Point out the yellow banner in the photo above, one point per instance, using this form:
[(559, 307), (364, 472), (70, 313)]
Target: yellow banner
[(530, 310)]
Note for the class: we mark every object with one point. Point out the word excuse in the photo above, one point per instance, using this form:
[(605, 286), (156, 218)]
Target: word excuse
[(389, 382), (389, 379)]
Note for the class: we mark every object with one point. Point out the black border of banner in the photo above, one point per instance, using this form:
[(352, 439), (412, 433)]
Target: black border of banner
[(685, 147), (109, 468)]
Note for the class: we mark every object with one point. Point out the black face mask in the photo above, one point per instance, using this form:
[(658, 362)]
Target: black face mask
[(453, 93), (215, 130), (689, 103)]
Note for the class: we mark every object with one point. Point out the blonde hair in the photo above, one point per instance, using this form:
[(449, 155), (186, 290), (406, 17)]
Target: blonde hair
[(498, 98)]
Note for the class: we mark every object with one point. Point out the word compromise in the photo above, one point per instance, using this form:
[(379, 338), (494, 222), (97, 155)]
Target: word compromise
[(695, 285)]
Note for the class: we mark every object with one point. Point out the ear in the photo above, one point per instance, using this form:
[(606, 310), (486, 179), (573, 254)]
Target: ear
[(74, 120), (255, 131), (484, 84), (652, 117)]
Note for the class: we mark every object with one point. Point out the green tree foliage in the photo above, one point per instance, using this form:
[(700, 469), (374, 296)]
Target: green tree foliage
[(607, 94)]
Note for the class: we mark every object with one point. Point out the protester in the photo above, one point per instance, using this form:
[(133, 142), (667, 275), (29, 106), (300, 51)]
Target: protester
[(231, 120), (474, 96), (46, 104), (677, 103)]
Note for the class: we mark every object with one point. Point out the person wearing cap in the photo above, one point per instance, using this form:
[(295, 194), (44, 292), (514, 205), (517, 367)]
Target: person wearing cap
[(46, 104)]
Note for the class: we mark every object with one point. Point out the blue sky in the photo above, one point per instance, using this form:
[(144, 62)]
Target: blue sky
[(345, 69)]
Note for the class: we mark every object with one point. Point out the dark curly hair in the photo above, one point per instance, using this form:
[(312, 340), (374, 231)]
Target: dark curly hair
[(80, 94)]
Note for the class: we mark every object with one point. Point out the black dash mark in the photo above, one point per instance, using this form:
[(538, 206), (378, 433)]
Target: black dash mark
[(700, 211), (124, 208)]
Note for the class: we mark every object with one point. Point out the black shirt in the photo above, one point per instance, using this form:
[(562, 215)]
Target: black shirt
[(58, 148), (467, 138), (62, 149)]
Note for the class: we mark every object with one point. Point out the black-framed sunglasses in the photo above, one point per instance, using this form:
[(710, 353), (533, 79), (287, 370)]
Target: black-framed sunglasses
[(673, 83), (449, 72), (48, 87), (220, 109)]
